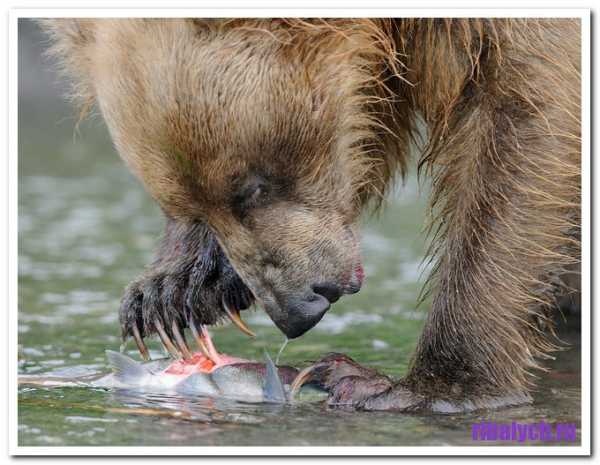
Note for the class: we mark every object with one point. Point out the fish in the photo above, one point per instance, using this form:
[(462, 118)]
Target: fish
[(227, 377)]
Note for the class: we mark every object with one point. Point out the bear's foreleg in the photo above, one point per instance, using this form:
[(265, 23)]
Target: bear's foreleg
[(504, 157)]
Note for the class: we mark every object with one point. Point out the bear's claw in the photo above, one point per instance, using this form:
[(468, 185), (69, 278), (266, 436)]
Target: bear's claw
[(190, 280), (352, 385)]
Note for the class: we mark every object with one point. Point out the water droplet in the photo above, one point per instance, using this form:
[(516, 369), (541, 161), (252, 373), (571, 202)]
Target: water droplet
[(285, 343)]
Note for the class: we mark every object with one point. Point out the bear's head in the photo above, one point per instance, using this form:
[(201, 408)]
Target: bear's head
[(275, 133)]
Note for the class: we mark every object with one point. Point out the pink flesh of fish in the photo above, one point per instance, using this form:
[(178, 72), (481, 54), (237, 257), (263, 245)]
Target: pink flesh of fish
[(200, 364)]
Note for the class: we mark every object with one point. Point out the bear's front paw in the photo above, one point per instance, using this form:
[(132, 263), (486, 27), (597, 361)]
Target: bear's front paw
[(154, 304), (165, 302), (350, 384)]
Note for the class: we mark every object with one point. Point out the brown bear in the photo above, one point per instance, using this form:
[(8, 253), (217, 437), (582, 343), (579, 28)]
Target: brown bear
[(263, 140)]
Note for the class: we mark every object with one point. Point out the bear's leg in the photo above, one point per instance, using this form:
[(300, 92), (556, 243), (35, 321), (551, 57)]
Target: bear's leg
[(504, 157), (190, 281), (495, 288)]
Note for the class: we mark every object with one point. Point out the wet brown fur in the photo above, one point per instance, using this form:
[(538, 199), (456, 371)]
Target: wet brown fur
[(501, 103)]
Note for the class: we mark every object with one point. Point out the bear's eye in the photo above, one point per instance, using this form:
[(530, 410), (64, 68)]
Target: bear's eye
[(252, 194), (255, 194)]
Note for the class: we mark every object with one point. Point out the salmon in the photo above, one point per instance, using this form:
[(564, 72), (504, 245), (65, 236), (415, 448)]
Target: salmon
[(227, 377)]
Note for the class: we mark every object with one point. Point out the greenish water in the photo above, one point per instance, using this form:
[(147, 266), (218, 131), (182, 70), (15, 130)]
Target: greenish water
[(86, 228)]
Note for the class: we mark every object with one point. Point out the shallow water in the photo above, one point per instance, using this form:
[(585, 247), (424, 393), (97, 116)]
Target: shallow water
[(86, 228), (83, 237)]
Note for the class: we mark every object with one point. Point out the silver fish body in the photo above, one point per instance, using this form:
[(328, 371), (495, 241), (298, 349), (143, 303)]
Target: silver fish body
[(244, 381)]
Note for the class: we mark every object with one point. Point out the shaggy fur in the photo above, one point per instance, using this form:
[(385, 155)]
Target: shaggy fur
[(320, 114)]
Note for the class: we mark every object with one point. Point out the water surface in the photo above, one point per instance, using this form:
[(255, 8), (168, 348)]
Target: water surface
[(83, 236)]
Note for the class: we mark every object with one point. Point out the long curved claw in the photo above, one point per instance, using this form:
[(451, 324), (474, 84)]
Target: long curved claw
[(180, 341), (166, 341), (139, 342), (302, 378), (197, 337), (213, 354), (236, 319)]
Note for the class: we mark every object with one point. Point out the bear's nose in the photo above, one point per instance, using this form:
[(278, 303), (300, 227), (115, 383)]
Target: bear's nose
[(330, 291), (303, 314)]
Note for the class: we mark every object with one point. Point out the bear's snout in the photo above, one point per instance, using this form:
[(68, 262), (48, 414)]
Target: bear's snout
[(302, 314)]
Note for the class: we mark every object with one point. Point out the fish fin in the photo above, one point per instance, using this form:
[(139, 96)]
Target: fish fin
[(125, 368), (273, 390)]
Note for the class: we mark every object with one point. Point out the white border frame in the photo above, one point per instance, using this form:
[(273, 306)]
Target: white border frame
[(15, 449)]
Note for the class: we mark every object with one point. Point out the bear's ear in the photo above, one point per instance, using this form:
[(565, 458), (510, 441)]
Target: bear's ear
[(71, 40)]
